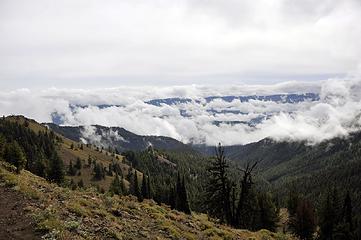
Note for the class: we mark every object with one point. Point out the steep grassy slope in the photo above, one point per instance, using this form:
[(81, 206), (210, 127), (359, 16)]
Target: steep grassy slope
[(61, 213), (84, 152)]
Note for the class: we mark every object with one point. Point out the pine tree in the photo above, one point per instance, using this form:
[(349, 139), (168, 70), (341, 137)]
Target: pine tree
[(78, 164), (71, 169), (247, 203), (56, 171), (145, 193), (40, 165), (304, 221), (98, 172), (217, 195), (184, 198), (347, 211), (116, 187), (136, 187), (14, 154), (149, 188), (327, 218), (268, 212)]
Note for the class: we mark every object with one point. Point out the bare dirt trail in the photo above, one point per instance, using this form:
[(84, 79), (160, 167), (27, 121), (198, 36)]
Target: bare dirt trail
[(14, 224)]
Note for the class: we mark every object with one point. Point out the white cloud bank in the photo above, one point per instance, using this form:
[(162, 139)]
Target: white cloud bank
[(337, 113)]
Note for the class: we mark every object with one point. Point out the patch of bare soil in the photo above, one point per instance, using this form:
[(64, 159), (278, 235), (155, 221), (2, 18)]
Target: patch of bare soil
[(14, 224)]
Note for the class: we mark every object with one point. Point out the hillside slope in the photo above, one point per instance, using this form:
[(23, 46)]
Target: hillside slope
[(71, 151), (117, 137), (61, 213), (310, 169)]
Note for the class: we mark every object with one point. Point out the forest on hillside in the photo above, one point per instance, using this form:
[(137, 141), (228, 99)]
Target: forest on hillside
[(187, 181)]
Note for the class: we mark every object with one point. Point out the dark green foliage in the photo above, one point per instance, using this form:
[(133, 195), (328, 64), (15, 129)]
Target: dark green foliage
[(217, 199), (309, 169), (336, 218), (71, 169), (14, 154), (39, 149), (98, 171), (246, 214), (181, 198), (136, 191), (240, 207), (116, 186), (149, 188), (292, 201), (304, 221), (56, 170), (78, 164), (144, 189), (110, 169), (268, 212)]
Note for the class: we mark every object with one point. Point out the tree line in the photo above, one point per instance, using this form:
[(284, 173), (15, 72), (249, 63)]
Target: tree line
[(36, 152)]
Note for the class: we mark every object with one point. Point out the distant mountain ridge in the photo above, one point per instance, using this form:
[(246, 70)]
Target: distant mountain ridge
[(119, 137), (293, 98), (283, 98)]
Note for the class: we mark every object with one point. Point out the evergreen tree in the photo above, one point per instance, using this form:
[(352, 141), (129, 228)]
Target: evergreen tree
[(71, 169), (116, 186), (184, 198), (110, 170), (78, 163), (327, 218), (292, 201), (14, 154), (98, 172), (149, 196), (41, 164), (304, 221), (172, 197), (217, 195), (268, 212), (145, 193), (136, 187), (247, 203), (56, 170), (124, 189), (347, 211)]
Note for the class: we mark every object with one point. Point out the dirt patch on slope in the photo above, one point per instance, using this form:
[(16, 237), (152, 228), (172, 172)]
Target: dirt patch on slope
[(14, 224)]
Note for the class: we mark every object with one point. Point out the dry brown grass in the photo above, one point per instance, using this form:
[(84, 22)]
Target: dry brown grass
[(87, 214)]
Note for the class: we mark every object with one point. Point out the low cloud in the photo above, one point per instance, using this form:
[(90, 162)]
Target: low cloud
[(336, 113)]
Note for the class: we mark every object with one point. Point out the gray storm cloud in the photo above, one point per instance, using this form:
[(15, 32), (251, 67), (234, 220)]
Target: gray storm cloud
[(336, 113)]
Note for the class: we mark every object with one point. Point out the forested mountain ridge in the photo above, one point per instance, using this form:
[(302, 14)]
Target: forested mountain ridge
[(311, 169), (282, 165), (66, 209), (118, 137)]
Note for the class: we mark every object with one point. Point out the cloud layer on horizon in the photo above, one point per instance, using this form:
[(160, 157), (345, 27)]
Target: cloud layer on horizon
[(337, 113)]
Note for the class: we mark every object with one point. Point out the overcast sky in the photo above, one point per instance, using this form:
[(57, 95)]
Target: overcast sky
[(88, 44)]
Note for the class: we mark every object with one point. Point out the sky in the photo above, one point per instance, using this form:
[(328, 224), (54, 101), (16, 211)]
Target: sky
[(92, 44)]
